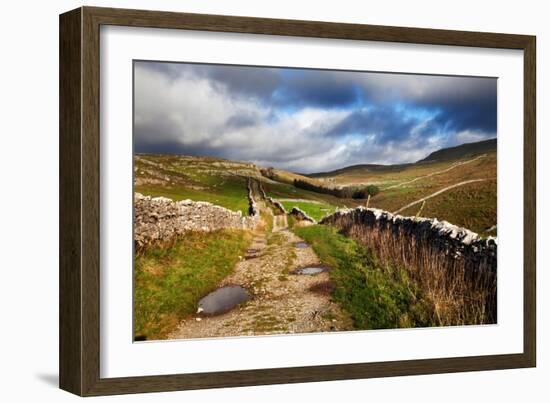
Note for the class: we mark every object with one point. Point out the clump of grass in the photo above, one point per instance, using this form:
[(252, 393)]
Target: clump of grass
[(169, 281), (376, 296)]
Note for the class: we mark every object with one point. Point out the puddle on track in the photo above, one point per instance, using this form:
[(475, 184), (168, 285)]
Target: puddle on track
[(310, 270), (301, 245), (223, 300)]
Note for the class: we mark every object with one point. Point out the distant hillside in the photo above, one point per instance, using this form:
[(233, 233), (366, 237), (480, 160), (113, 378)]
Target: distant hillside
[(285, 176), (444, 154), (462, 151), (359, 169)]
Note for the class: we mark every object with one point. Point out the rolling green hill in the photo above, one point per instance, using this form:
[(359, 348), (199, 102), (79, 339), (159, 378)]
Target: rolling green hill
[(462, 151), (360, 168), (445, 154)]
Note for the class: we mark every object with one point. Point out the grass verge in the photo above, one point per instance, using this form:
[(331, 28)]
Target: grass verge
[(376, 295), (168, 282)]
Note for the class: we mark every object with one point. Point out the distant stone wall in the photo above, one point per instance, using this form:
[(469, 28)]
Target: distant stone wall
[(159, 220), (366, 224), (275, 203), (252, 206), (262, 190), (301, 215)]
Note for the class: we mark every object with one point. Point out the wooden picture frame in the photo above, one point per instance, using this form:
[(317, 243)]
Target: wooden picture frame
[(80, 198)]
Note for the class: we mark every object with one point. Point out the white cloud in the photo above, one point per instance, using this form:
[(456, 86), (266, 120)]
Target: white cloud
[(190, 111)]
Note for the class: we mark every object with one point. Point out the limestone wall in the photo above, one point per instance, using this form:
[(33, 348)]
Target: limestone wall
[(159, 220), (445, 238), (275, 203)]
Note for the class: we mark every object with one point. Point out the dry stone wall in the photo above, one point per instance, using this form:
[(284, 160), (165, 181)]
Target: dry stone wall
[(275, 203), (252, 206), (159, 220), (301, 215), (452, 241)]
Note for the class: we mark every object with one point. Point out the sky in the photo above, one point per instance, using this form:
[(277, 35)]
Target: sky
[(306, 120)]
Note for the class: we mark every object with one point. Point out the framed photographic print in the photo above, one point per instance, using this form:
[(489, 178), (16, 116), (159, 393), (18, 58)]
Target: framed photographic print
[(249, 201)]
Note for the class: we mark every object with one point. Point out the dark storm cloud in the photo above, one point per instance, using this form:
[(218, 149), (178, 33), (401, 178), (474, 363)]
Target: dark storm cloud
[(462, 103), (318, 88), (249, 81), (242, 120), (467, 110), (306, 120)]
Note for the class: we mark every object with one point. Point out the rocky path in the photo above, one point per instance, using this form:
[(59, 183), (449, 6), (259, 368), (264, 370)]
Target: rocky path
[(280, 222), (281, 302)]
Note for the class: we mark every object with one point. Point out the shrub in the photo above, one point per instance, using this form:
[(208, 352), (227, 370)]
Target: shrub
[(373, 190)]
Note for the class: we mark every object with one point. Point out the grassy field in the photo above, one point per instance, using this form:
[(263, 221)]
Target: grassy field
[(473, 206), (314, 210), (200, 179), (376, 295), (279, 190), (231, 194), (168, 282)]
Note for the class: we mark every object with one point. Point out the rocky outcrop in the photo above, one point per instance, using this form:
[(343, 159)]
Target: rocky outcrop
[(301, 215), (159, 220), (370, 224)]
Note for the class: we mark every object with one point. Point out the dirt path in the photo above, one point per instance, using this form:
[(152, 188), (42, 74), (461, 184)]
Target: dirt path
[(438, 193), (281, 302), (280, 222), (436, 173)]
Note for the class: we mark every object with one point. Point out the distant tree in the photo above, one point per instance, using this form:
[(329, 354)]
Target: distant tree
[(373, 190), (344, 192)]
